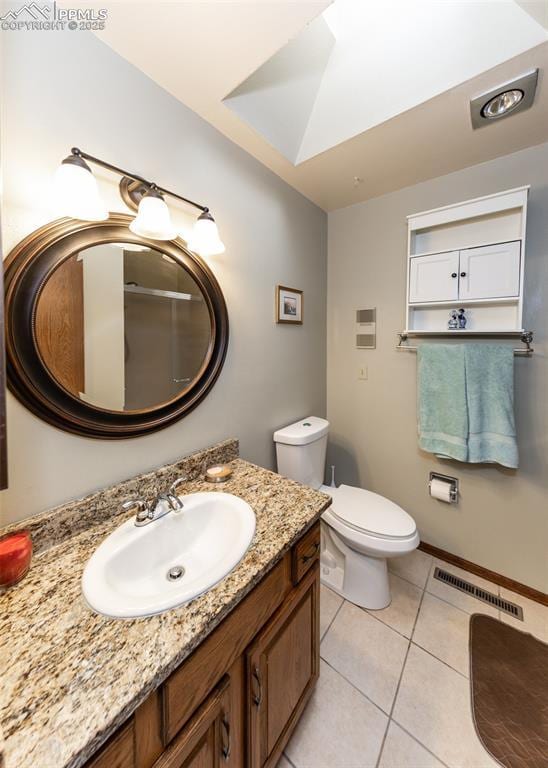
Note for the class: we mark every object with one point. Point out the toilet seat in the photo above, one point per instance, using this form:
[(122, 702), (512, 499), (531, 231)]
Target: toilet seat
[(369, 514), (368, 543), (360, 530)]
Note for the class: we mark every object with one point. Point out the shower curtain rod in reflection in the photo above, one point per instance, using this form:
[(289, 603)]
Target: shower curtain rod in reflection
[(129, 288)]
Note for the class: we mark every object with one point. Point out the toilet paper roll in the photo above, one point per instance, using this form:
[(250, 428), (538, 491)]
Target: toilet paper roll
[(440, 489)]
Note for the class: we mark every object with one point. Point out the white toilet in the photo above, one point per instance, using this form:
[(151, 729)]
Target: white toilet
[(360, 529)]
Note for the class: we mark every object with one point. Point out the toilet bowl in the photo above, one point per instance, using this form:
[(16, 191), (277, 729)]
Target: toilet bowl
[(360, 529)]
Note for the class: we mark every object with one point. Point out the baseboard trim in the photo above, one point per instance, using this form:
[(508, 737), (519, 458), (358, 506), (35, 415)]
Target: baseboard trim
[(497, 578)]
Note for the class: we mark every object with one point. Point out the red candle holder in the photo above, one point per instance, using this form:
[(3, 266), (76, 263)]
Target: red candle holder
[(15, 557)]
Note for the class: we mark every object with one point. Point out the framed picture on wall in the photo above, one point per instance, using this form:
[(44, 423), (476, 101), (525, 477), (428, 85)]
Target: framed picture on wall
[(289, 305)]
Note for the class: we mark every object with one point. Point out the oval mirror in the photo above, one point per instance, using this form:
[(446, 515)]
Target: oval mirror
[(110, 334)]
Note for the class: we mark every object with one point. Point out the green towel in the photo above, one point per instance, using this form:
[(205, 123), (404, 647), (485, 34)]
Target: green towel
[(466, 402), (490, 400), (443, 415)]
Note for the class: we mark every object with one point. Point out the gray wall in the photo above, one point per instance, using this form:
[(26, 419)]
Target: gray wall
[(66, 89), (501, 521)]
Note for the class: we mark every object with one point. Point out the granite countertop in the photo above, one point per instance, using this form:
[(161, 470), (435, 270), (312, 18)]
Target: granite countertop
[(70, 677)]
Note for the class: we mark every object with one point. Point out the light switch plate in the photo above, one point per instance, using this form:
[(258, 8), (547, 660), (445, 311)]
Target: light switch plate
[(362, 373)]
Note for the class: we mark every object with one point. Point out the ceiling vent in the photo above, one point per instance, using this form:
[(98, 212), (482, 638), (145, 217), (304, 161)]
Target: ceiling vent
[(504, 100)]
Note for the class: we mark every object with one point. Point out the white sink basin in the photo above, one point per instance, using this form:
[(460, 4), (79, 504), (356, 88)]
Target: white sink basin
[(127, 575)]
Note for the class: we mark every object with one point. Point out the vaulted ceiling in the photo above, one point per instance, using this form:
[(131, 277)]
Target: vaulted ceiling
[(350, 102)]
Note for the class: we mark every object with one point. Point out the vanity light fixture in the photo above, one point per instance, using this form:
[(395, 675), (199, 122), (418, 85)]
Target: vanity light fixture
[(205, 236), (78, 197), (153, 219), (76, 191)]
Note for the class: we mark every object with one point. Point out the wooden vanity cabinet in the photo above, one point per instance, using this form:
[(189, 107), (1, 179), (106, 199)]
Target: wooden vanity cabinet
[(282, 667), (206, 740), (305, 553), (118, 752), (236, 700)]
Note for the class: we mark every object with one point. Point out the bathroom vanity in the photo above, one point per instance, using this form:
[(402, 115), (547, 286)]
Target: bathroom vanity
[(219, 681), (243, 689)]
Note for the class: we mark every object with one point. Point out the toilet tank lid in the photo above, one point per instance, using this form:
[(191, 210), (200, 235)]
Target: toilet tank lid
[(302, 432)]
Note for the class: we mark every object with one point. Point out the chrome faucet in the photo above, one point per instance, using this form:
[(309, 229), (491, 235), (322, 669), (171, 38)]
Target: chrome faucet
[(180, 481), (160, 506)]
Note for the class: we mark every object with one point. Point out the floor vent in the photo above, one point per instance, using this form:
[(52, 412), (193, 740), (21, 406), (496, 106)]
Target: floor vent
[(482, 594)]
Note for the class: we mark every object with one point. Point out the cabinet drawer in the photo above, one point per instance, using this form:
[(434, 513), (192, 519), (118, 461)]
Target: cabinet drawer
[(118, 752), (305, 553)]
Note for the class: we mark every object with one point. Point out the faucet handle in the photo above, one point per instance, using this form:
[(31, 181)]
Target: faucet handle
[(138, 504), (141, 508)]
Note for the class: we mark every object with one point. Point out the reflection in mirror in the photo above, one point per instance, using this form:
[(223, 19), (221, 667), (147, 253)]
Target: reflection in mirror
[(123, 327)]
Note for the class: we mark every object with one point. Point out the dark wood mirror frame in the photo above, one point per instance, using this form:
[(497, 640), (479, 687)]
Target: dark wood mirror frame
[(3, 431), (28, 267)]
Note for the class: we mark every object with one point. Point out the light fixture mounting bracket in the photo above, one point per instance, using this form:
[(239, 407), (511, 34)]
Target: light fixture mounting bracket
[(132, 192)]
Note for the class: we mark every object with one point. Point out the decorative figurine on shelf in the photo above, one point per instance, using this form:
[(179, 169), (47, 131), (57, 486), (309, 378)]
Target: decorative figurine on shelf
[(453, 323), (461, 319)]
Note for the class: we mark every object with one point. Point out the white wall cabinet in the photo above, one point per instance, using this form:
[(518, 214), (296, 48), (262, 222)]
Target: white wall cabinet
[(434, 277), (468, 255), (490, 272), (487, 272)]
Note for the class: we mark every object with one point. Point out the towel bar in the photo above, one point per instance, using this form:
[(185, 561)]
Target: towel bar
[(525, 336)]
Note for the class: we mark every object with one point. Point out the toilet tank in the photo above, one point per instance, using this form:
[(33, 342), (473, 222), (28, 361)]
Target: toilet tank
[(300, 450)]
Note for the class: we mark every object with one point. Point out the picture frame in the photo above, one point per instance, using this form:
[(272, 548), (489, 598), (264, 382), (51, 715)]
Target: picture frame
[(289, 305)]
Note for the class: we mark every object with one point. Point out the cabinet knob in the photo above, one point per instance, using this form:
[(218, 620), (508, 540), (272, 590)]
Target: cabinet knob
[(453, 274), (463, 274)]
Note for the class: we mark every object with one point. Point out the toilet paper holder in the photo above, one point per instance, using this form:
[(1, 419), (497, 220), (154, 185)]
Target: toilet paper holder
[(453, 481)]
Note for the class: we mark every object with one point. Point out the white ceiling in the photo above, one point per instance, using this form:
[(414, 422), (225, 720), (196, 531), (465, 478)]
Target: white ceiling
[(279, 98), (392, 110), (375, 64)]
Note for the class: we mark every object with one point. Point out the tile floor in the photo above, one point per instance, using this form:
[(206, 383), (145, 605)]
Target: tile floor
[(394, 689)]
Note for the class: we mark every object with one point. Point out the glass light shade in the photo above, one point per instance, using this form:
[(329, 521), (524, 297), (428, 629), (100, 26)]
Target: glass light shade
[(76, 192), (205, 239), (153, 219), (502, 104)]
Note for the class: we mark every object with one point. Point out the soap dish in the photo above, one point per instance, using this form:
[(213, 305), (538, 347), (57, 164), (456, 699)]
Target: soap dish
[(218, 473)]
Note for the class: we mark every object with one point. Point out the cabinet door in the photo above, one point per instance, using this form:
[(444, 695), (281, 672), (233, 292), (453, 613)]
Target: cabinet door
[(490, 272), (434, 277), (205, 741), (118, 752), (282, 668)]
